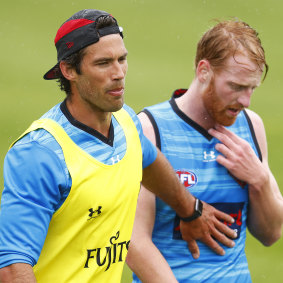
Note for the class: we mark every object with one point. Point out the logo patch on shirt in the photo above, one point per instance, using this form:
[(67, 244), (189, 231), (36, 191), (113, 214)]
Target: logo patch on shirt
[(187, 178), (209, 156), (94, 213), (115, 160), (105, 257)]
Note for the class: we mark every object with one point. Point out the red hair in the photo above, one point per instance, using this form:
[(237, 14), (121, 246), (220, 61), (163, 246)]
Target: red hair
[(226, 39)]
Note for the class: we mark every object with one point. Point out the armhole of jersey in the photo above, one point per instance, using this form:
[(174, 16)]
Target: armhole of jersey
[(253, 135), (155, 128)]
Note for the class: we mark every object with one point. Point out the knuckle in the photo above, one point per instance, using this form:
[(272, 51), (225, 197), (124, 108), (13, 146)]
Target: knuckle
[(233, 166)]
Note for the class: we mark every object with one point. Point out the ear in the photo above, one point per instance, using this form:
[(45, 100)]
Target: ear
[(68, 72), (204, 71)]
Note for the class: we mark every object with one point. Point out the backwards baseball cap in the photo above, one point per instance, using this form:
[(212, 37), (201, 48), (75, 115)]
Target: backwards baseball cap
[(78, 32)]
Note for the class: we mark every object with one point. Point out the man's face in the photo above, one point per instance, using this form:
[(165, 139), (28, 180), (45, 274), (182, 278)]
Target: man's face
[(231, 88), (102, 80)]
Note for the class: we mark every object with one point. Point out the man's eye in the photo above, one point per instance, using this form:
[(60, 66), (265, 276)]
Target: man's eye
[(237, 87)]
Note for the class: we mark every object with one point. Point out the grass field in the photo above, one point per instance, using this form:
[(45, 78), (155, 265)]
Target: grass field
[(161, 38)]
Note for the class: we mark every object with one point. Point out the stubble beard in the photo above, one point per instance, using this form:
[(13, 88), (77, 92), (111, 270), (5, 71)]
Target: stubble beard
[(215, 108), (99, 101)]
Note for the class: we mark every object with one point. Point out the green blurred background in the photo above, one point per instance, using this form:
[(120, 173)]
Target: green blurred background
[(161, 38)]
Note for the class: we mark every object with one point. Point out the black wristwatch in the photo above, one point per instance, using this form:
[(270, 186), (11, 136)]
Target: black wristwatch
[(197, 212)]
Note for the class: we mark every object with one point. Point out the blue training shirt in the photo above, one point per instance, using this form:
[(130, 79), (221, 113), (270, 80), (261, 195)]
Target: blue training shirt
[(37, 181), (191, 151)]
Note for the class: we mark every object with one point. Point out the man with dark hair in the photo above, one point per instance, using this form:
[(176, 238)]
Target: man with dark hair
[(219, 151), (74, 60), (73, 178)]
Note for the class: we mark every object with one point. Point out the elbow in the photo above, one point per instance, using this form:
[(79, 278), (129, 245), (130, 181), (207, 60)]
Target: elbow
[(134, 255), (129, 261), (274, 237), (129, 258)]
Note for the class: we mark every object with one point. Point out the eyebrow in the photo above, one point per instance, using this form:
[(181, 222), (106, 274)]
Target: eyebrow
[(109, 59), (232, 83)]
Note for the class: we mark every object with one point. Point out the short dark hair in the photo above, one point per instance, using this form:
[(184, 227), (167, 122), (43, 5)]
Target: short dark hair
[(75, 59)]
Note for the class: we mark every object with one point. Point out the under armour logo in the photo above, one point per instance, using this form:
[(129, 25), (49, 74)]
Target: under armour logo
[(69, 44), (94, 213), (210, 155), (115, 161)]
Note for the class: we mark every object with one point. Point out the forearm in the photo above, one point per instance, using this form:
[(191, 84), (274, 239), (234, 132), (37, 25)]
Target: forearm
[(146, 261), (265, 214), (17, 273), (143, 257), (168, 187)]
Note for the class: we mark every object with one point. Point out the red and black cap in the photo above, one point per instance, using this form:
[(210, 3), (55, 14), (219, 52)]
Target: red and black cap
[(78, 32)]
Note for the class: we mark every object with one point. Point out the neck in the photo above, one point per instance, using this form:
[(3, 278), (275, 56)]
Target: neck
[(191, 104), (93, 118)]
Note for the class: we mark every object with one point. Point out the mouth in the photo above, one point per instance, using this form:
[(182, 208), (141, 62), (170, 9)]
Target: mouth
[(116, 91), (234, 111)]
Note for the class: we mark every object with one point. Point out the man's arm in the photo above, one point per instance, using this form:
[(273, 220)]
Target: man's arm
[(143, 257), (265, 214), (27, 205), (17, 273)]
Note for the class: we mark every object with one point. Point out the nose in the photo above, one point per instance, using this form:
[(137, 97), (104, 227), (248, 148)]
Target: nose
[(245, 98), (119, 71)]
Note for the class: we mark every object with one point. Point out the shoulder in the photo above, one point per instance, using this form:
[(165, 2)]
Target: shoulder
[(159, 108), (255, 118), (148, 149), (147, 127), (257, 123), (30, 156), (42, 136), (259, 130), (133, 116)]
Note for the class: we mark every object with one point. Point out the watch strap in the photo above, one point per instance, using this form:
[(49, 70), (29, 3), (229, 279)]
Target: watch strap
[(197, 211)]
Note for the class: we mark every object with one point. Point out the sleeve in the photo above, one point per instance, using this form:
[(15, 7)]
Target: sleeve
[(33, 177), (149, 150)]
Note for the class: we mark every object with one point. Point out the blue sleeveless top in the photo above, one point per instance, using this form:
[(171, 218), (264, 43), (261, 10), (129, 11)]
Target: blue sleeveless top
[(191, 151)]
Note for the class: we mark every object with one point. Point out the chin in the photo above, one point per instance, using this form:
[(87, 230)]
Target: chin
[(116, 107), (224, 120)]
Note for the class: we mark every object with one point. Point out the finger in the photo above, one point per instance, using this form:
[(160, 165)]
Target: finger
[(223, 216), (238, 142), (223, 149), (193, 248), (227, 132), (211, 243), (224, 161), (222, 238), (228, 153), (225, 230), (225, 139)]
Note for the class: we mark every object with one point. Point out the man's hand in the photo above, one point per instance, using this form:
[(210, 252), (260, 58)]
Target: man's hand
[(208, 228), (237, 156)]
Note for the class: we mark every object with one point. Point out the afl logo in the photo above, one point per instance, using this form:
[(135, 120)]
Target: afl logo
[(187, 178)]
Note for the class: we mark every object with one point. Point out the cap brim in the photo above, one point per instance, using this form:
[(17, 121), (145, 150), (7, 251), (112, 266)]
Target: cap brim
[(53, 73)]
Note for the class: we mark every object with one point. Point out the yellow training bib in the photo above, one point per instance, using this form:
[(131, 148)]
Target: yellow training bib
[(88, 237)]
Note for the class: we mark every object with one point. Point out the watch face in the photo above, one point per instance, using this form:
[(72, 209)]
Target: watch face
[(198, 207)]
